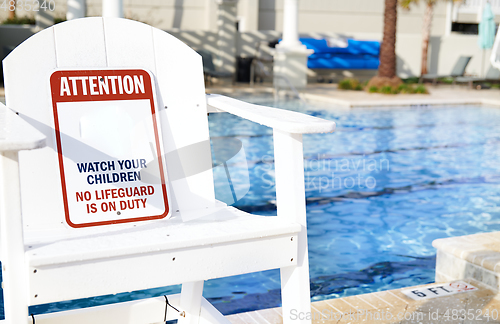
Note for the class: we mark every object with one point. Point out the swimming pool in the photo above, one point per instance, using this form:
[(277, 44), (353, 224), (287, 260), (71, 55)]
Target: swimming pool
[(379, 190)]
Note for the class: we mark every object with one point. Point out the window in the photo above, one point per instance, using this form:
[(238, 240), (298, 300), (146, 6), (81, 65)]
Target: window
[(465, 28)]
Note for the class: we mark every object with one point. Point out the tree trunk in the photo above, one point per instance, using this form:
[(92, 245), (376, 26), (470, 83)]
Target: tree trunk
[(12, 13), (387, 67), (426, 34)]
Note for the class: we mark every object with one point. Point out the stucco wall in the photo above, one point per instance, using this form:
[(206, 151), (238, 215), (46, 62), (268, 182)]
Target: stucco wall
[(195, 22), (342, 16), (338, 16)]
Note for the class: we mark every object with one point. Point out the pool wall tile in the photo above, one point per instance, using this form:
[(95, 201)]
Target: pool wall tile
[(341, 306), (271, 315), (236, 319), (495, 236), (324, 315), (450, 265), (482, 250), (358, 303), (394, 299), (249, 318), (491, 262), (375, 301), (485, 309), (371, 316), (419, 318), (438, 305), (441, 277), (454, 268)]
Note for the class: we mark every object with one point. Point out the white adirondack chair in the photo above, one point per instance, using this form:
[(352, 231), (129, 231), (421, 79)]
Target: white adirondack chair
[(45, 260)]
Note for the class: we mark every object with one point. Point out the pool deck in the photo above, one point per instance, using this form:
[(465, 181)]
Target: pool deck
[(479, 306), (328, 93)]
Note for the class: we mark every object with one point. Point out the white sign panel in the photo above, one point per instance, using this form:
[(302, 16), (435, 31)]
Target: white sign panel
[(110, 152), (438, 290)]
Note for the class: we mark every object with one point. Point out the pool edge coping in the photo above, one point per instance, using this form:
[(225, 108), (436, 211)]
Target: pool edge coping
[(400, 103)]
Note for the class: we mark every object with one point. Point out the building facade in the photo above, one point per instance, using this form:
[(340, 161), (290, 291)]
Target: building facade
[(235, 28)]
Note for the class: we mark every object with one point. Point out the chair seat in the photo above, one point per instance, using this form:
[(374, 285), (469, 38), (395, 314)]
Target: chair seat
[(131, 257), (226, 224)]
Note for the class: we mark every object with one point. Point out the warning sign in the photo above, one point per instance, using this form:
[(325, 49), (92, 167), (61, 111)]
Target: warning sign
[(109, 144)]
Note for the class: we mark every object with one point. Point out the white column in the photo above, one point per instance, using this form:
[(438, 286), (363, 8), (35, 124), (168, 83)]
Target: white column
[(248, 15), (112, 8), (455, 13), (291, 24), (290, 60), (480, 10), (75, 9), (449, 16)]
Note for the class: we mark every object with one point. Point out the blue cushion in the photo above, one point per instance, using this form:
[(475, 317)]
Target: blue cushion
[(353, 46), (357, 55), (343, 62)]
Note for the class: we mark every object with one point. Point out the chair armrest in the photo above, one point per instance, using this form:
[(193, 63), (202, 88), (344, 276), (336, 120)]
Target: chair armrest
[(278, 119), (16, 134)]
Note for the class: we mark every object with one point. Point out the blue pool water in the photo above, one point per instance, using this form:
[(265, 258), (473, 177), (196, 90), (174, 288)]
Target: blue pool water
[(379, 190)]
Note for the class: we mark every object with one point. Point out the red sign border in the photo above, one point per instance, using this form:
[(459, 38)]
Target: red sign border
[(149, 94)]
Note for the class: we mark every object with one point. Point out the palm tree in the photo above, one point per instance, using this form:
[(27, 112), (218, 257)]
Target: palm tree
[(12, 13), (426, 27), (387, 68)]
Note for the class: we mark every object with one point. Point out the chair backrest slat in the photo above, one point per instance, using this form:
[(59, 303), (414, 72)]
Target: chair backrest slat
[(80, 44)]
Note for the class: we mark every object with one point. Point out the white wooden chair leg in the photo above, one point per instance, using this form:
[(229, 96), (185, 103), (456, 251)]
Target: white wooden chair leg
[(11, 234), (191, 295), (290, 199)]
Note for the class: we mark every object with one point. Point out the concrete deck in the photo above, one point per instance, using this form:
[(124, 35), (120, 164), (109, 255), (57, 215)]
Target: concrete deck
[(479, 306), (328, 93)]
